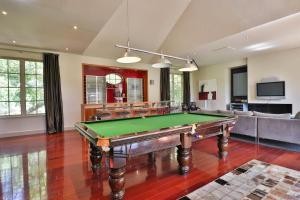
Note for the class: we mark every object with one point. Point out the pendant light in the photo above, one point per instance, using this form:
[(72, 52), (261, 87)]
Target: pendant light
[(128, 58), (189, 67), (162, 63)]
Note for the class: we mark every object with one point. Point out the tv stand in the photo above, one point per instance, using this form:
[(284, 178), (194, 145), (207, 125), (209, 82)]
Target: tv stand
[(270, 108)]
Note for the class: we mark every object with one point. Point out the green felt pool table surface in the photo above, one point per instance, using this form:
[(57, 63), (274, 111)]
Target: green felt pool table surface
[(112, 128)]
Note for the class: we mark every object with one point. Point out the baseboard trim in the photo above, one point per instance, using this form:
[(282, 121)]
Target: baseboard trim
[(31, 132)]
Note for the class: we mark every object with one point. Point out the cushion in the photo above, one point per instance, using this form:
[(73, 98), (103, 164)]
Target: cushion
[(243, 113), (297, 116), (225, 112), (279, 116)]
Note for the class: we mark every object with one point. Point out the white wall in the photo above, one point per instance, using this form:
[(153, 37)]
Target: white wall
[(71, 85), (220, 72), (283, 65)]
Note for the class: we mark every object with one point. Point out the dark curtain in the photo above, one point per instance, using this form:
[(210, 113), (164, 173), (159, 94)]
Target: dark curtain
[(186, 88), (165, 84), (52, 93)]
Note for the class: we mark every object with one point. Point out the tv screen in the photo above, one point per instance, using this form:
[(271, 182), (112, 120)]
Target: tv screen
[(270, 89)]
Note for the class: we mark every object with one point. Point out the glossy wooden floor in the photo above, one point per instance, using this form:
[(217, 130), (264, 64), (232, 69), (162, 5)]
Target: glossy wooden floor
[(57, 167)]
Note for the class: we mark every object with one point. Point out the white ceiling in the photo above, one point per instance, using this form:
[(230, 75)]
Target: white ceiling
[(210, 31), (48, 24)]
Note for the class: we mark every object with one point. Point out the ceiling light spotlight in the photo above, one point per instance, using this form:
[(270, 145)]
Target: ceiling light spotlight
[(14, 41), (189, 67), (162, 63), (4, 12), (75, 27)]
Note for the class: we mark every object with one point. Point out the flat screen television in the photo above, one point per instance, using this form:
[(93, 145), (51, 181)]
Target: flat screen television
[(270, 89)]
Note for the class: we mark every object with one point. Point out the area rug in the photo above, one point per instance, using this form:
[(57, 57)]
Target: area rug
[(255, 180)]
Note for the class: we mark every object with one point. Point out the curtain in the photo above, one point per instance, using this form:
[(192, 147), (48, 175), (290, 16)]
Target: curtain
[(52, 93), (186, 88), (165, 84)]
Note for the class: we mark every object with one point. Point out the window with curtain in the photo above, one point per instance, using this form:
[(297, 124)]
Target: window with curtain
[(176, 88), (21, 87)]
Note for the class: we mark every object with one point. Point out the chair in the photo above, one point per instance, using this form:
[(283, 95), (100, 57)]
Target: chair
[(140, 112), (103, 115), (193, 106), (184, 107), (122, 113)]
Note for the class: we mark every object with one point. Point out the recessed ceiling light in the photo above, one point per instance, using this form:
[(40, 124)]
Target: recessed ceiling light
[(4, 12), (14, 41), (67, 49), (75, 27)]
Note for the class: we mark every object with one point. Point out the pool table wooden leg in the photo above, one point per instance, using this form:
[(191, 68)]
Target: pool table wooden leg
[(151, 157), (183, 153), (223, 142), (117, 165), (95, 157)]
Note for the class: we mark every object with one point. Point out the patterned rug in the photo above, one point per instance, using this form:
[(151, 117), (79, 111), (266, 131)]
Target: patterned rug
[(255, 180)]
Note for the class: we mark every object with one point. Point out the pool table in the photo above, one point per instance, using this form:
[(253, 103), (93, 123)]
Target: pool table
[(120, 139)]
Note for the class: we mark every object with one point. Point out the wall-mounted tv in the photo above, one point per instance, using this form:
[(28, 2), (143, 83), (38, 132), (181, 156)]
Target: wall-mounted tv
[(270, 89)]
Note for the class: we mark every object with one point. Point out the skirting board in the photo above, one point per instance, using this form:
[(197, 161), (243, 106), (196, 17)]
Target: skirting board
[(33, 132)]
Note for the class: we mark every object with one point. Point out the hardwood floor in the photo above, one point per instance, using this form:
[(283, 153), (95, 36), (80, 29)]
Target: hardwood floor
[(58, 167)]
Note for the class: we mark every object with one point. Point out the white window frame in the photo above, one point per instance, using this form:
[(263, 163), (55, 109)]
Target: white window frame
[(22, 89)]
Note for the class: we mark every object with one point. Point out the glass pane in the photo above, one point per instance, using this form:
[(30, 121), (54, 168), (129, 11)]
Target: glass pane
[(14, 108), (14, 80), (30, 67), (40, 94), (30, 94), (3, 108), (39, 68), (3, 94), (31, 107), (30, 80), (3, 65), (14, 94), (113, 79), (40, 107), (14, 66), (39, 80), (3, 80)]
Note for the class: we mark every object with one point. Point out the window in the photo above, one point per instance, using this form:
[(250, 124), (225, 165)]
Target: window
[(95, 89), (34, 87), (176, 88), (113, 79), (21, 87), (10, 87)]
